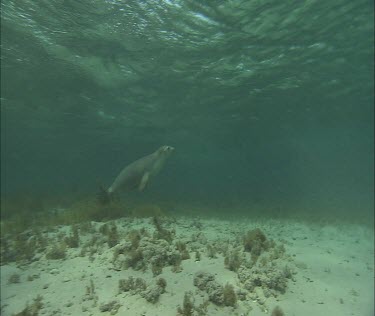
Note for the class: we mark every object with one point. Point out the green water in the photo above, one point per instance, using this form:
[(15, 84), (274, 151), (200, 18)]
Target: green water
[(266, 102)]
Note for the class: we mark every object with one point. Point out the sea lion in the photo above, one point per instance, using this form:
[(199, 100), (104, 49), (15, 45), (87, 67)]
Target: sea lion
[(137, 174)]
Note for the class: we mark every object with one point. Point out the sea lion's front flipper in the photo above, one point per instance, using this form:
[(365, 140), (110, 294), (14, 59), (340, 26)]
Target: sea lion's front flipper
[(144, 181)]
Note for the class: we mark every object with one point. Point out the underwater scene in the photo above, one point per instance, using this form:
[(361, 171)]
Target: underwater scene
[(187, 158)]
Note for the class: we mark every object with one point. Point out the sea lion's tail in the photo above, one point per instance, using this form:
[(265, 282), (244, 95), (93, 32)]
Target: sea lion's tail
[(103, 196)]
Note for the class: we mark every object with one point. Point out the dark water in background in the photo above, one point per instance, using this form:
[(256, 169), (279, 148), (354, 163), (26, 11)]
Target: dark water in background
[(266, 102)]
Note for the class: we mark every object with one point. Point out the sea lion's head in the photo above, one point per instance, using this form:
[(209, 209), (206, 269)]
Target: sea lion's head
[(165, 151)]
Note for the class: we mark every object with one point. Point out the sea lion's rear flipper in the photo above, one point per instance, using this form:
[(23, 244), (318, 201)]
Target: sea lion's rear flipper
[(103, 196), (144, 181)]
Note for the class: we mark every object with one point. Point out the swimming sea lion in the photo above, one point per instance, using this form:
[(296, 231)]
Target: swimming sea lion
[(137, 174)]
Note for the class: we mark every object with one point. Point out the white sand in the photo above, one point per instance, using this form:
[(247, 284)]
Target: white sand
[(334, 268)]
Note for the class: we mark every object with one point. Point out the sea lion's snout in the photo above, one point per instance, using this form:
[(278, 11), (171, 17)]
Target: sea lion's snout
[(167, 149)]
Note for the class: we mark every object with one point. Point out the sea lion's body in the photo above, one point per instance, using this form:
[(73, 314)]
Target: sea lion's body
[(137, 174)]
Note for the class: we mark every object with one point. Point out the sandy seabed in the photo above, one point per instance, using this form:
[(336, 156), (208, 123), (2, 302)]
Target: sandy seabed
[(194, 266)]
